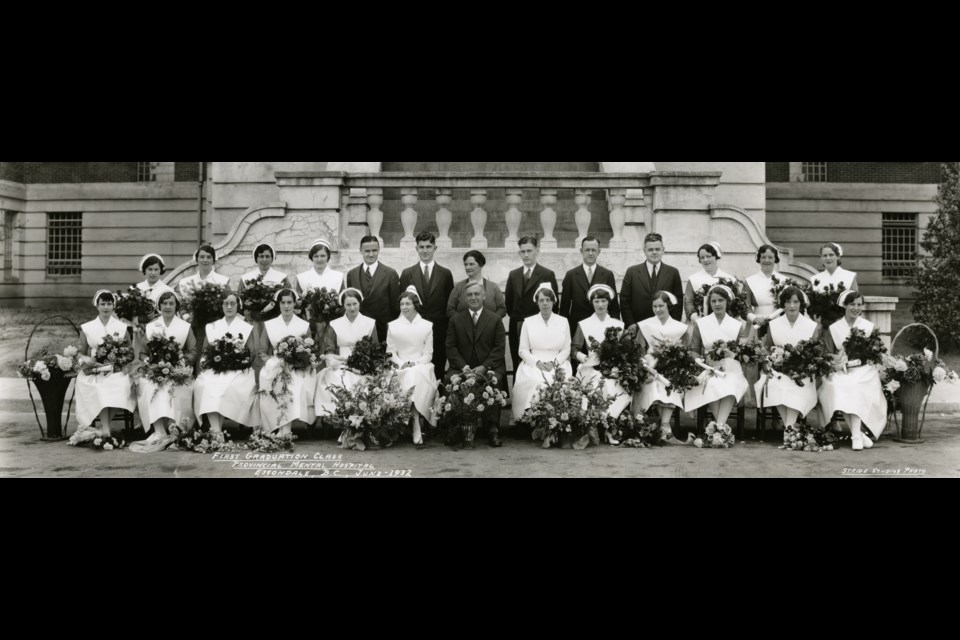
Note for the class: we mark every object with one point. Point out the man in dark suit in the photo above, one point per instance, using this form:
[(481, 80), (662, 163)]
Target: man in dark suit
[(521, 284), (475, 342), (434, 284), (379, 284), (644, 280), (574, 305)]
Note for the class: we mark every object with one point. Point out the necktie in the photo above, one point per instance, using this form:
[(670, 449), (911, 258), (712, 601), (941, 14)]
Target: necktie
[(426, 274), (526, 274), (655, 280), (367, 281), (590, 275), (476, 318)]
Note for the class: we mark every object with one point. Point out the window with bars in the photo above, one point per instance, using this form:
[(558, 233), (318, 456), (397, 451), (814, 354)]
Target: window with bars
[(147, 171), (814, 171), (64, 244), (899, 245)]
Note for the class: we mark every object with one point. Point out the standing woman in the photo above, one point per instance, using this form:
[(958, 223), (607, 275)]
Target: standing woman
[(721, 394), (833, 274), (299, 404), (97, 394), (264, 255), (595, 327), (652, 332), (760, 286), (341, 337), (856, 392), (410, 343), (206, 258), (232, 394), (158, 408), (709, 255), (544, 346), (152, 266), (320, 276), (790, 399), (473, 263)]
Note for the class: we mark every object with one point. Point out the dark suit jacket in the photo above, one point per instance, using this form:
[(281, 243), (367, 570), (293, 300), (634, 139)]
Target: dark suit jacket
[(384, 304), (636, 295), (435, 300), (574, 305), (520, 302), (483, 347)]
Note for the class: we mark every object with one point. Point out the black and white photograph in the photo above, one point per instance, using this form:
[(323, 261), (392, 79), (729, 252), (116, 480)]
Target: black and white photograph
[(321, 320)]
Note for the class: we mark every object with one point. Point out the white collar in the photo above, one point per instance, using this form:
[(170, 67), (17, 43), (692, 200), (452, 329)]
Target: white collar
[(371, 267), (587, 267), (432, 264)]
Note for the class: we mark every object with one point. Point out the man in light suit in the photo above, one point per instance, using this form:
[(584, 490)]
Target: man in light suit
[(521, 283), (574, 305), (642, 281), (475, 342), (379, 284), (434, 284)]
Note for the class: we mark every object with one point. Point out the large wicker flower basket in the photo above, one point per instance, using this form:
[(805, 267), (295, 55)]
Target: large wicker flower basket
[(912, 398), (53, 392)]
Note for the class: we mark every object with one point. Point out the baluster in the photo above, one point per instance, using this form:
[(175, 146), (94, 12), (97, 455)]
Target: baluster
[(444, 218), (478, 218), (583, 216), (618, 217), (514, 217), (374, 215), (548, 218), (408, 218)]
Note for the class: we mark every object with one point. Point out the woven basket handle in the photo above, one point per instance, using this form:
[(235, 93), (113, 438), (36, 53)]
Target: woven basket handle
[(918, 324), (26, 351)]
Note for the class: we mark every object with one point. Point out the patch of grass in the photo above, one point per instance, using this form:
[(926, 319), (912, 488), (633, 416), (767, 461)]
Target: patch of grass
[(17, 324)]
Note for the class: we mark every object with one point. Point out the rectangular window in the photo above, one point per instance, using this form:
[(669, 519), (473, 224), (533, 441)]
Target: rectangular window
[(899, 245), (64, 244), (147, 171), (814, 171)]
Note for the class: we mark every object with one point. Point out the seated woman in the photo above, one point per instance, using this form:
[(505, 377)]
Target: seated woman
[(473, 263), (595, 327), (152, 266), (544, 346), (855, 391), (709, 255), (157, 407), (339, 339), (278, 415), (98, 394), (410, 343), (780, 391), (231, 394), (651, 333), (721, 393)]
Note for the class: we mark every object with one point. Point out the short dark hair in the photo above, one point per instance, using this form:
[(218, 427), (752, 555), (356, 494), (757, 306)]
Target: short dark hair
[(106, 295), (206, 248), (261, 248), (652, 237), (853, 297), (235, 295), (589, 239), (367, 239), (166, 295), (663, 297), (149, 262), (709, 248), (350, 292), (720, 292), (412, 297), (476, 255), (603, 294), (316, 248), (529, 240), (833, 246), (547, 292), (283, 294), (790, 292), (426, 236), (768, 247)]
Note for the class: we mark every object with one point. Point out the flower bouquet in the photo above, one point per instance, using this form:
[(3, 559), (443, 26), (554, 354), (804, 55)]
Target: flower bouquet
[(860, 349), (747, 351), (93, 437), (719, 351), (107, 443), (258, 295), (202, 304), (803, 437), (567, 410), (200, 441), (823, 303), (164, 364), (294, 354), (227, 354), (805, 361), (619, 359), (907, 382), (43, 366), (673, 362), (269, 443), (134, 306), (715, 437), (634, 430), (469, 395), (369, 358), (373, 414), (737, 307), (321, 305), (112, 356)]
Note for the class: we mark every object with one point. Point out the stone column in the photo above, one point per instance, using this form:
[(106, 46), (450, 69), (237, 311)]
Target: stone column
[(618, 217), (444, 218), (478, 218), (548, 218), (408, 218), (583, 198), (513, 217), (374, 215)]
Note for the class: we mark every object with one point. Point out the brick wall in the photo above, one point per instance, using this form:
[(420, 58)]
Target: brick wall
[(778, 172), (867, 172), (12, 171), (186, 171)]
